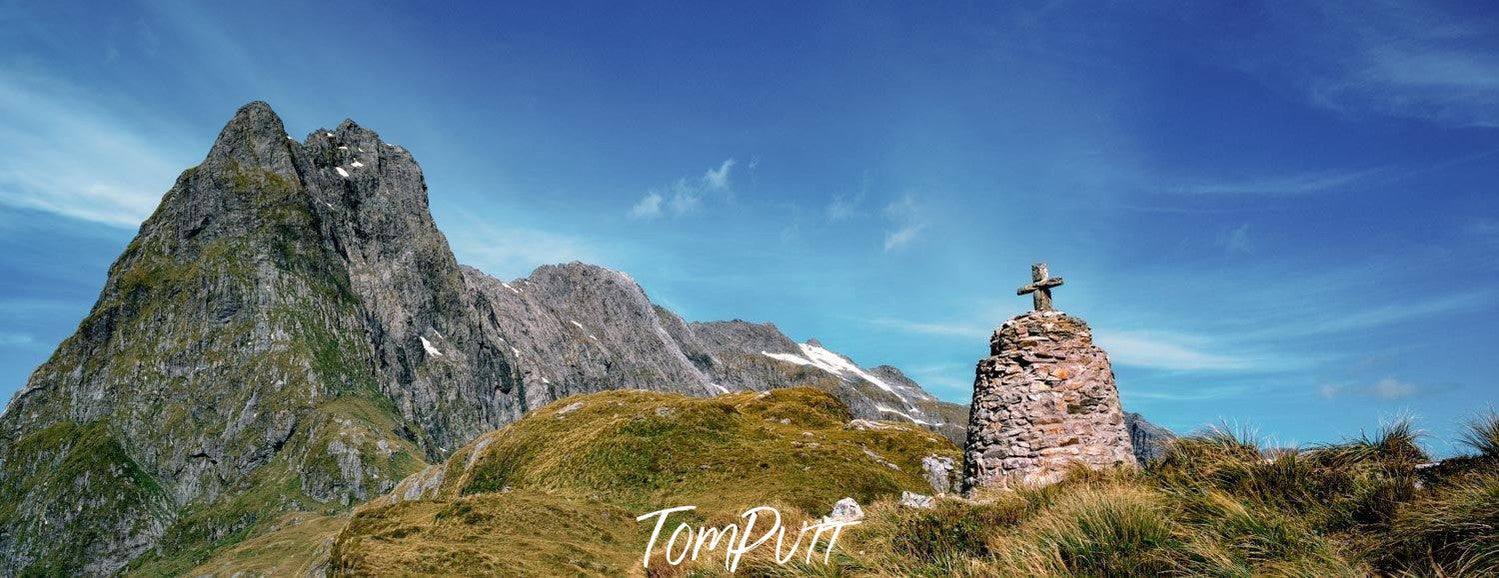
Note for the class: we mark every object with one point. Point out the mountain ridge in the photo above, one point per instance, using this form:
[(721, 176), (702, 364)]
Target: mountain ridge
[(290, 331)]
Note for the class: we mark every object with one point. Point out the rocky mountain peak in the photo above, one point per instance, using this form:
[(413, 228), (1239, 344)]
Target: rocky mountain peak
[(254, 139), (291, 323)]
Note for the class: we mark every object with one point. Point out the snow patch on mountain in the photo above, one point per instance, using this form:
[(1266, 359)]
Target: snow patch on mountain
[(833, 363), (906, 415), (427, 345)]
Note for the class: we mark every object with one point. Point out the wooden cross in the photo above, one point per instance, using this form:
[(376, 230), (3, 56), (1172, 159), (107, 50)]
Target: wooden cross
[(1040, 287)]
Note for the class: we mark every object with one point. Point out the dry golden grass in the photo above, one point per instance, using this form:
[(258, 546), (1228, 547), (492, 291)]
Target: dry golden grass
[(295, 545), (557, 493)]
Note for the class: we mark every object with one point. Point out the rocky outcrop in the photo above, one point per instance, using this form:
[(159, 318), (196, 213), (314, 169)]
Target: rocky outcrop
[(1043, 400), (939, 473), (918, 501), (845, 510), (291, 325), (1148, 440)]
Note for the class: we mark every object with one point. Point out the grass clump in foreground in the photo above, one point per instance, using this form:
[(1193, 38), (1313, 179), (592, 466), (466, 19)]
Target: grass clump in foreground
[(1214, 505)]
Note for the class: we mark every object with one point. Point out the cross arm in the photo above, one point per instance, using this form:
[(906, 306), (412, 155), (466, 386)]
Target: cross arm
[(1044, 284)]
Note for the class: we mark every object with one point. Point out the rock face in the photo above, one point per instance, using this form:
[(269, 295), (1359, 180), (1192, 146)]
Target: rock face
[(1148, 439), (290, 331), (1044, 399), (939, 473), (845, 510)]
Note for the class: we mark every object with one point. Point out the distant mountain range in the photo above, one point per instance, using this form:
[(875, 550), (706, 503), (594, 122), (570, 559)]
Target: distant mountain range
[(289, 331)]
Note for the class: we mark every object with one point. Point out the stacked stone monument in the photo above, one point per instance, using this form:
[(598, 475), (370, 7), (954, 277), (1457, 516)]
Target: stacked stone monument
[(1043, 400)]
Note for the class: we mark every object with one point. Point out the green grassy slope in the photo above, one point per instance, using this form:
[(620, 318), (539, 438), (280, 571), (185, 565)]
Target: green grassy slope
[(558, 491)]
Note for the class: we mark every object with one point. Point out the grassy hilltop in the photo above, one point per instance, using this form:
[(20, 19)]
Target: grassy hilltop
[(557, 492)]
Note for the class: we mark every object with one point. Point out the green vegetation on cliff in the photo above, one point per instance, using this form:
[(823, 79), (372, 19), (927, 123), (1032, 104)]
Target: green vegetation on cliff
[(77, 481)]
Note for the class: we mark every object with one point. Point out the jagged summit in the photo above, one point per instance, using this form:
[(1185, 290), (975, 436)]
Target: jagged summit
[(254, 137)]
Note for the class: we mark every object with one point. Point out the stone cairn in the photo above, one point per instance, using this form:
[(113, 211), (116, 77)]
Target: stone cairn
[(1043, 400)]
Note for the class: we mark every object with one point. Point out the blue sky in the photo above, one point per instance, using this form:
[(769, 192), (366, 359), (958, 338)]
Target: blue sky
[(1277, 214)]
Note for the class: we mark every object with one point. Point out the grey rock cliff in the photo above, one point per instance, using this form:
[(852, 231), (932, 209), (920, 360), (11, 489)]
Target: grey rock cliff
[(1149, 440)]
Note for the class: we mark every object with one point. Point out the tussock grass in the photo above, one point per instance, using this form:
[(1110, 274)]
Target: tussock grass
[(1455, 530), (1482, 434), (1215, 504)]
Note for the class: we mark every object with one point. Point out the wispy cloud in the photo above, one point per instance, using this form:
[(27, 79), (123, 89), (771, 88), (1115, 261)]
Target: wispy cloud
[(685, 196), (15, 339), (905, 220), (947, 383), (956, 378), (509, 252), (1148, 349), (1236, 240), (1297, 184), (903, 236), (1322, 316), (1484, 231), (1397, 58), (1169, 351), (70, 156), (718, 179), (844, 207), (849, 205), (648, 207), (1387, 389), (965, 330)]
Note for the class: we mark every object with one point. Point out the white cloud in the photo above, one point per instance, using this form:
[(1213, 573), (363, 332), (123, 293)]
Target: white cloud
[(685, 196), (1150, 349), (69, 156), (902, 236), (906, 222), (718, 179), (1387, 389), (947, 329), (648, 207), (509, 252), (1391, 388), (1317, 318), (844, 207), (1395, 58), (13, 339), (1296, 184), (1236, 240), (685, 199), (1167, 351)]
